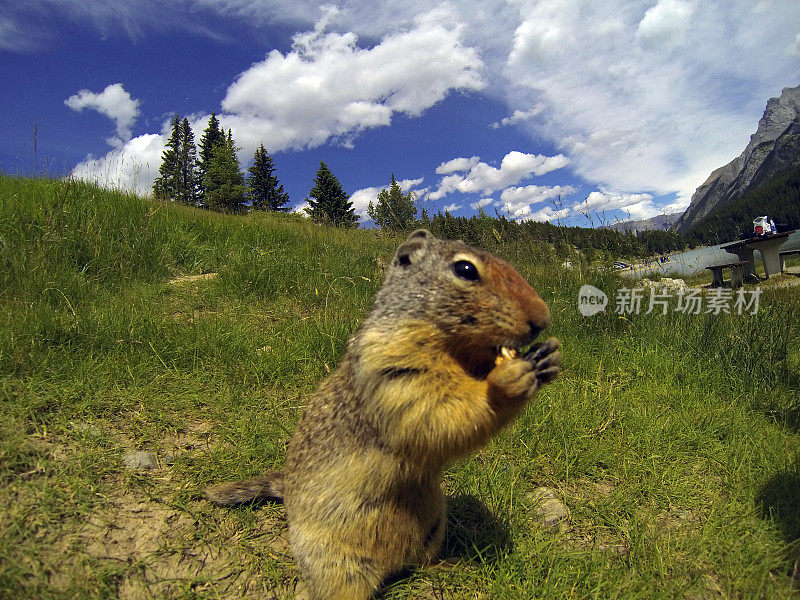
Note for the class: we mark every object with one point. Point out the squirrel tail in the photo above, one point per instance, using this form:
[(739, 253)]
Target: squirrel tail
[(267, 487)]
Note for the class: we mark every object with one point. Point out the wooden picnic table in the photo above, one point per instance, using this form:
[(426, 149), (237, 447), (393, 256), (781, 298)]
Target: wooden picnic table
[(767, 245), (784, 255), (737, 272)]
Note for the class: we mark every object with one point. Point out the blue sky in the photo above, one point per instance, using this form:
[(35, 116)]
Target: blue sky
[(574, 111)]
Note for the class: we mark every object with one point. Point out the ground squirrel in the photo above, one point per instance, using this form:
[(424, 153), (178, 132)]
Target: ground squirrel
[(432, 374)]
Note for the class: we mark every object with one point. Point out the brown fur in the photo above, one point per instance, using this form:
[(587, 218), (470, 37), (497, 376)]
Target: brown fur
[(420, 385)]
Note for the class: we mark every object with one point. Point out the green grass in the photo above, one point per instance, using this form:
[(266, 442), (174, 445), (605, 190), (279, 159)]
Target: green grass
[(672, 439)]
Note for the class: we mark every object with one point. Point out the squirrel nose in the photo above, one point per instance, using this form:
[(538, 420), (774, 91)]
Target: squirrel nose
[(538, 318), (535, 329)]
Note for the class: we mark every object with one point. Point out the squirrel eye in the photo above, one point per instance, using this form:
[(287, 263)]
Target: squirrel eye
[(466, 270)]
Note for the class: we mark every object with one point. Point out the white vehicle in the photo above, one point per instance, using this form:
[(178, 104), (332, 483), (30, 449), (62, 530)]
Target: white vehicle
[(763, 225)]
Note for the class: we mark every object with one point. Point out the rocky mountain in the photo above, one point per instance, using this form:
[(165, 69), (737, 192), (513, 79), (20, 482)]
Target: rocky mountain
[(774, 147)]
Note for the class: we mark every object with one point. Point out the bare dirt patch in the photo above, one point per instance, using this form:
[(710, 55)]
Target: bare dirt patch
[(197, 436), (53, 446), (146, 537), (181, 279), (154, 547), (162, 550)]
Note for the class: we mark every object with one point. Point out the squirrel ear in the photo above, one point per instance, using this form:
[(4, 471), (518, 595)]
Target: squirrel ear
[(420, 233), (409, 249)]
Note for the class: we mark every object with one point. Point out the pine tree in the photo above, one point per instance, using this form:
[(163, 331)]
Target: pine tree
[(213, 136), (424, 221), (166, 184), (328, 202), (187, 189), (224, 182), (394, 210), (263, 188)]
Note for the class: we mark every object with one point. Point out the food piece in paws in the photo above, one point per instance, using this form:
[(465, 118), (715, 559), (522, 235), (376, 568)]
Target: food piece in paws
[(505, 354)]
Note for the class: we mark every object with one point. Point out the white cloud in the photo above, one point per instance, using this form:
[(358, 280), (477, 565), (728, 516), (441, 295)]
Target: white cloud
[(794, 47), (518, 117), (330, 87), (453, 207), (300, 208), (636, 206), (517, 201), (514, 167), (16, 38), (41, 21), (457, 165), (533, 194), (113, 102), (482, 177), (132, 167), (481, 203), (524, 212), (547, 213), (447, 185), (361, 198), (665, 24), (409, 184)]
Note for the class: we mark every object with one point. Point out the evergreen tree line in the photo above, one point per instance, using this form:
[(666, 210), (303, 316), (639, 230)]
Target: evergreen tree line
[(779, 198), (396, 211), (491, 232), (214, 179)]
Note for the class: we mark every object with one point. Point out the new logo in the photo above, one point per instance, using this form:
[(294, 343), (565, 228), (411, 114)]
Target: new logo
[(591, 300)]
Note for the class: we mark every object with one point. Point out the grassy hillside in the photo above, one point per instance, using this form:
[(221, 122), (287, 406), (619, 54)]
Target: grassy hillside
[(672, 439)]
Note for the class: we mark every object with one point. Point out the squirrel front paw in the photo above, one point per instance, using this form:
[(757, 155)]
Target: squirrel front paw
[(519, 378), (545, 357)]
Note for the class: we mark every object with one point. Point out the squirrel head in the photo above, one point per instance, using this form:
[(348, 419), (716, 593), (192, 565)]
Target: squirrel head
[(476, 299)]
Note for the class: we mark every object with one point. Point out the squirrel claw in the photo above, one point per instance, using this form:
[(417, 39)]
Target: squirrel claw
[(541, 349), (548, 375), (546, 360)]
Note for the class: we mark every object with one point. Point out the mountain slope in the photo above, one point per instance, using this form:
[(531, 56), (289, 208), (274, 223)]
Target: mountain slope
[(779, 198), (774, 147)]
